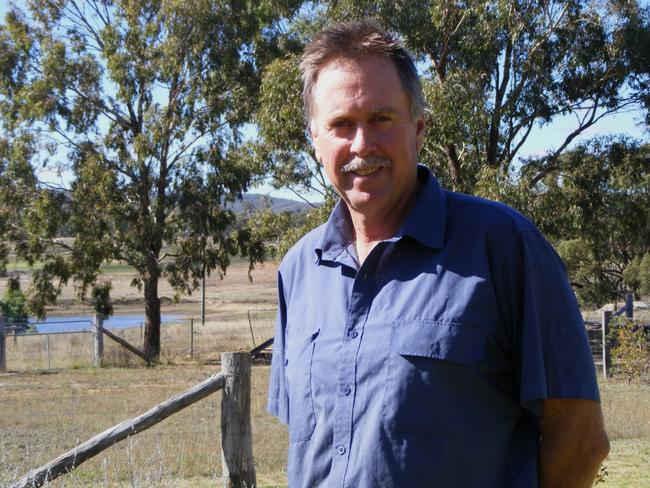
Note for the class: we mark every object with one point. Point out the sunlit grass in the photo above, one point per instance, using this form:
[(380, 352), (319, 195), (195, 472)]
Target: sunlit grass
[(45, 415), (627, 420)]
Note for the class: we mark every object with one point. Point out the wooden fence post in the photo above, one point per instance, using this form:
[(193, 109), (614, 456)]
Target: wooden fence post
[(629, 306), (3, 343), (98, 336), (236, 433), (607, 359)]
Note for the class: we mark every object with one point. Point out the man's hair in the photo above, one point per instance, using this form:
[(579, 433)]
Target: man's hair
[(355, 40)]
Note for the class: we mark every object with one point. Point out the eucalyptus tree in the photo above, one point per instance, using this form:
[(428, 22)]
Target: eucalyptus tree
[(603, 229), (143, 101)]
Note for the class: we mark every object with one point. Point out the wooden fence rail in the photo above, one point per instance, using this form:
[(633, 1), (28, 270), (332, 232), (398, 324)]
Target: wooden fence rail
[(236, 436)]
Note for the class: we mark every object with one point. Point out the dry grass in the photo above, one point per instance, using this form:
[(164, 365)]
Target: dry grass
[(627, 420), (47, 414)]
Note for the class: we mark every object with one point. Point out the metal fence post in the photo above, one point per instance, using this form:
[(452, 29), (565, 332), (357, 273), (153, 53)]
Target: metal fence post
[(191, 338), (203, 297), (98, 335), (49, 352), (3, 343), (236, 432), (607, 359)]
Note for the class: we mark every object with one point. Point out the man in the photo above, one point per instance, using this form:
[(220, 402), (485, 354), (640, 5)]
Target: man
[(424, 338)]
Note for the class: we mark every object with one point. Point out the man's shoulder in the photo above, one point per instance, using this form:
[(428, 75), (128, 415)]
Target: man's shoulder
[(486, 213)]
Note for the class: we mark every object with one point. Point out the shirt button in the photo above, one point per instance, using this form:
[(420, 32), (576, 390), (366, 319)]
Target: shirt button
[(340, 450), (353, 333), (345, 390)]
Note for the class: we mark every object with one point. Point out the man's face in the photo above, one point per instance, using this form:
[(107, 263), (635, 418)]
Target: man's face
[(360, 110)]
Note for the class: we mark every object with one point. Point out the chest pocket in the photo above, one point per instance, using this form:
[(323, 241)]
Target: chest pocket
[(302, 420), (430, 373)]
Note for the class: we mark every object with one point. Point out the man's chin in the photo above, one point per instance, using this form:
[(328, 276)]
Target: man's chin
[(365, 202)]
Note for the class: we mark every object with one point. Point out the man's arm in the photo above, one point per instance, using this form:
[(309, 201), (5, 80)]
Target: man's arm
[(573, 443)]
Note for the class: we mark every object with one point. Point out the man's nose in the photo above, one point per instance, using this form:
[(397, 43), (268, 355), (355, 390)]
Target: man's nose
[(363, 142)]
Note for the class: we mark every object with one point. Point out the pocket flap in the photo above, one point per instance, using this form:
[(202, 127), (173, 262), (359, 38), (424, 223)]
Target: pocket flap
[(439, 340)]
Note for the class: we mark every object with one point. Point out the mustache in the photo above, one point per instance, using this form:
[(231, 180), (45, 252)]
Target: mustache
[(372, 161)]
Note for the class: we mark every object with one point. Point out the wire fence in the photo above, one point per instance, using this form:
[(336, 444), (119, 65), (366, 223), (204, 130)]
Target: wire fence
[(180, 340)]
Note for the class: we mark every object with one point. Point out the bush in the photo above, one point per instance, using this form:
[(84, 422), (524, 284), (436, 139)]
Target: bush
[(630, 348)]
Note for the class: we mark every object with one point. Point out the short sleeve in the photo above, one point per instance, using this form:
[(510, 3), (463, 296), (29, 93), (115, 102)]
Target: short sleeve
[(278, 401), (553, 353)]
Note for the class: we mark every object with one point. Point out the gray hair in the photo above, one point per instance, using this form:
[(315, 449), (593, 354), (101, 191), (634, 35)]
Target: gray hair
[(353, 40)]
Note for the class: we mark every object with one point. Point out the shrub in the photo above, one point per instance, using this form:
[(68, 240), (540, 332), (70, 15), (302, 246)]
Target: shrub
[(630, 348)]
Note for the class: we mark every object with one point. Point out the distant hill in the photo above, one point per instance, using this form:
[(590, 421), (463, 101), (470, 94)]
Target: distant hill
[(278, 205)]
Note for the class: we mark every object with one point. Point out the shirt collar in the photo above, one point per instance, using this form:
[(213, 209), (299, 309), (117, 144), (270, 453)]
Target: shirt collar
[(427, 219), (425, 222)]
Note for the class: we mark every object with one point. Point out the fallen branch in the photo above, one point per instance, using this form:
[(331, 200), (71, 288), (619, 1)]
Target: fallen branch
[(125, 344)]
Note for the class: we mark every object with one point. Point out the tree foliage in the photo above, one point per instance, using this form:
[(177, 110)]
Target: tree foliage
[(637, 274), (597, 211), (14, 304), (143, 101)]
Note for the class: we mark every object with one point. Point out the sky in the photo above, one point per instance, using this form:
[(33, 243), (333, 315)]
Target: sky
[(539, 141)]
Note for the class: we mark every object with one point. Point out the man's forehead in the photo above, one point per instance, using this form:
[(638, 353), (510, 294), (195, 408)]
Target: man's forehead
[(352, 64), (373, 82), (340, 112)]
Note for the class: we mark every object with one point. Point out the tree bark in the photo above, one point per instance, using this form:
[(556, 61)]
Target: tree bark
[(454, 165), (152, 316)]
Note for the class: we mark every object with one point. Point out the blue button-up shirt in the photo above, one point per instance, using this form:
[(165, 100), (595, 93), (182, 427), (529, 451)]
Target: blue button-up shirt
[(427, 364)]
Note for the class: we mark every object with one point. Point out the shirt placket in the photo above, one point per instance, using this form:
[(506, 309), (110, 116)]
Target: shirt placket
[(356, 316)]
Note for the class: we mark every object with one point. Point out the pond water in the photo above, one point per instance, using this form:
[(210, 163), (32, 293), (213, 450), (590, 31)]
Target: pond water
[(84, 322)]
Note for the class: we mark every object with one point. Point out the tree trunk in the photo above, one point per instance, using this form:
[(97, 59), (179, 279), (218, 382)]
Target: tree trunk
[(152, 317), (454, 166)]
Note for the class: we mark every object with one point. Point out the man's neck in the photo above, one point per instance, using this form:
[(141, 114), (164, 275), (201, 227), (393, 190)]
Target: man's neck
[(369, 230)]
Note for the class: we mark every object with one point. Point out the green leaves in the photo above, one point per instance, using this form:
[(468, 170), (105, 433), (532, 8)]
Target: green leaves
[(14, 304), (603, 230)]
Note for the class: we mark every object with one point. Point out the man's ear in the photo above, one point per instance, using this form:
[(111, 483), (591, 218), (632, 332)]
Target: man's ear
[(313, 133), (420, 125)]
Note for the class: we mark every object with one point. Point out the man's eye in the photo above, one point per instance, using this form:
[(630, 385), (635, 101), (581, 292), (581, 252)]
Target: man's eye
[(378, 119), (338, 124)]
